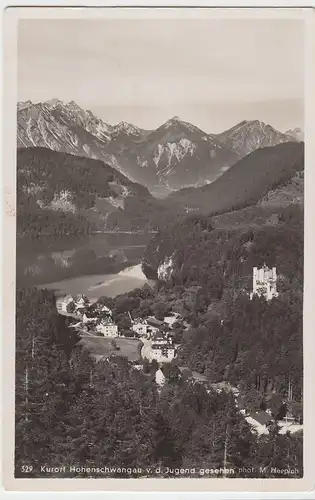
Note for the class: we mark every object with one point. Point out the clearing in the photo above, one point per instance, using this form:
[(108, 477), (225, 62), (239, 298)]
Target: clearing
[(103, 346)]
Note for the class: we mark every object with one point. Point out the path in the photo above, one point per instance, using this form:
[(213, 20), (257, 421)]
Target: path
[(146, 351)]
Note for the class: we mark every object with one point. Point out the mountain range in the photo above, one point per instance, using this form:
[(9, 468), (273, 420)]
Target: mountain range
[(175, 155)]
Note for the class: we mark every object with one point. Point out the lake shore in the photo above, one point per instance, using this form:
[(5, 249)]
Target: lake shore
[(99, 285)]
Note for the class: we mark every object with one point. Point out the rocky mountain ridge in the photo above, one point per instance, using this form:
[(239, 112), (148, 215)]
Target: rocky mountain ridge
[(175, 155)]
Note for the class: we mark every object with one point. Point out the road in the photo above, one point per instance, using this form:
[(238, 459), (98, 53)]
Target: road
[(146, 351)]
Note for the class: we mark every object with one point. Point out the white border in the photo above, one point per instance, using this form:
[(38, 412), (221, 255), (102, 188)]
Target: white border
[(254, 485)]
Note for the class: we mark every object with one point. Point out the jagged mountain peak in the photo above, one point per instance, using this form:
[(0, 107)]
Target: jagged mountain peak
[(54, 102), (248, 135), (24, 104), (126, 128)]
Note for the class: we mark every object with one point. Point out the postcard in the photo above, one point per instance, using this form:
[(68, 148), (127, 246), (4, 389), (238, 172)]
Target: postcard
[(158, 249)]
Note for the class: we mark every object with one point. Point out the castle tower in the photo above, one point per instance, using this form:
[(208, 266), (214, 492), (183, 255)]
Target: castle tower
[(264, 282)]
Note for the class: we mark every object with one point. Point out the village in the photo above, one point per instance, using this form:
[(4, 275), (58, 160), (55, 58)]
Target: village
[(152, 339)]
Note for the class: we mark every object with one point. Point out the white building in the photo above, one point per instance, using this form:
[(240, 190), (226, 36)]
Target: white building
[(107, 328), (162, 353), (141, 328), (264, 282), (162, 341), (170, 320)]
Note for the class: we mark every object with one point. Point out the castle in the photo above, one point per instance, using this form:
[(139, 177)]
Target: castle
[(264, 282)]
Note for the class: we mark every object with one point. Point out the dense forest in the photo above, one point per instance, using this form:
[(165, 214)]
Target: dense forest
[(71, 411)]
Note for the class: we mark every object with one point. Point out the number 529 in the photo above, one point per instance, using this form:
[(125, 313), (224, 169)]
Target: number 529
[(26, 468)]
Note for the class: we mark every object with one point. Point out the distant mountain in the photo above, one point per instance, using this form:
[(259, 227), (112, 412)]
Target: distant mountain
[(296, 133), (62, 127), (61, 194), (175, 155), (249, 181), (247, 136)]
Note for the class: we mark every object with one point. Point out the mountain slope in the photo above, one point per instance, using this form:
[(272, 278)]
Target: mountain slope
[(248, 181), (247, 136), (59, 193), (177, 154)]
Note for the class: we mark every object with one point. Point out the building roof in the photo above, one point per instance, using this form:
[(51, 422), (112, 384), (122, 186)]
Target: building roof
[(80, 297), (106, 322), (261, 417), (162, 347), (155, 322)]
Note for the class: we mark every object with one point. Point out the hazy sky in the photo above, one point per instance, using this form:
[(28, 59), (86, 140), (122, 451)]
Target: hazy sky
[(212, 73)]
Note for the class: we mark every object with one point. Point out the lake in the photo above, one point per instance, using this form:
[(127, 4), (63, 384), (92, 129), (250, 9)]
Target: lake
[(96, 265), (99, 285)]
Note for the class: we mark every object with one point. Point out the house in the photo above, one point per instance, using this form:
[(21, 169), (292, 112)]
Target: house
[(259, 420), (264, 282), (162, 353), (140, 327), (107, 328), (156, 323), (81, 301), (102, 309), (88, 318), (171, 319), (160, 378)]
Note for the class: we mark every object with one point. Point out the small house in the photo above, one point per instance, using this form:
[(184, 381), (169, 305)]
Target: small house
[(259, 420), (107, 328), (81, 301), (140, 327), (156, 323), (88, 318), (171, 319), (103, 310), (162, 353)]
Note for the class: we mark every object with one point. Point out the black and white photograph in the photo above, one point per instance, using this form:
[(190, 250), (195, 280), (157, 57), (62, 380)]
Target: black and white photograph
[(159, 247)]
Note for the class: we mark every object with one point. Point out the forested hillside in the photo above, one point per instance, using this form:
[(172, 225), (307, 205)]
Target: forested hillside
[(248, 181), (62, 194)]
